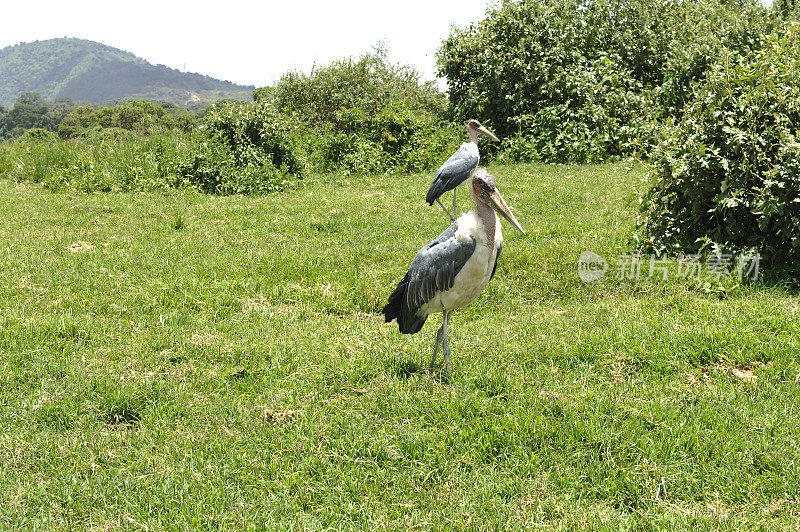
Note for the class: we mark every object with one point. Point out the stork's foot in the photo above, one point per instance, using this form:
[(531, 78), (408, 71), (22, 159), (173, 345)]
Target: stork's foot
[(441, 376), (437, 375)]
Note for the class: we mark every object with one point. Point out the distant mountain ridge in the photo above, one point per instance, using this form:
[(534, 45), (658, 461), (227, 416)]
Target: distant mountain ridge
[(89, 71)]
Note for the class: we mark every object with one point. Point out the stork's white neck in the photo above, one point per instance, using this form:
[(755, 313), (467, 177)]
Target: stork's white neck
[(473, 135)]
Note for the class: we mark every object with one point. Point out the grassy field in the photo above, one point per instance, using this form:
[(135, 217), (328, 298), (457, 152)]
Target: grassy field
[(188, 361)]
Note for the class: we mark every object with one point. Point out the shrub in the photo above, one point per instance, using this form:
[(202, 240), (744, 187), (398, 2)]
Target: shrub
[(689, 48), (137, 116), (243, 148), (368, 83), (395, 138), (367, 115), (38, 134), (729, 171), (584, 80)]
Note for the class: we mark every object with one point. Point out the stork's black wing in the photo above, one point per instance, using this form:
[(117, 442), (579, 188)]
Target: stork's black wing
[(433, 269), (452, 173)]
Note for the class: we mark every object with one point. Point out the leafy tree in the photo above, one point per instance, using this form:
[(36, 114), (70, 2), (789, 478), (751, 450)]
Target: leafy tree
[(582, 80), (31, 111), (28, 112), (728, 174), (32, 99), (78, 120), (367, 114), (138, 115), (367, 83)]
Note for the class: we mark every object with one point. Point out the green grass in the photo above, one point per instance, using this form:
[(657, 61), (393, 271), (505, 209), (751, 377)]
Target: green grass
[(102, 163), (187, 361)]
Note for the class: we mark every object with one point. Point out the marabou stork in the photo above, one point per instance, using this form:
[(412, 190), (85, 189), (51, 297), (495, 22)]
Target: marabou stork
[(453, 269), (458, 167)]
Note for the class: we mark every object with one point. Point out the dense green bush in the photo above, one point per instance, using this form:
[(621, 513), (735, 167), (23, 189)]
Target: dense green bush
[(394, 138), (138, 116), (584, 80), (696, 35), (367, 115), (243, 148), (368, 83), (31, 111), (729, 172)]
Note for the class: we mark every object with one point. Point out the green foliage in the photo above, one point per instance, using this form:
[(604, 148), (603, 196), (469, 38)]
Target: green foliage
[(729, 172), (367, 115), (110, 121), (138, 116), (786, 9), (30, 111), (394, 138), (689, 48), (38, 135), (262, 93), (132, 162), (584, 81), (354, 116), (244, 148), (366, 84)]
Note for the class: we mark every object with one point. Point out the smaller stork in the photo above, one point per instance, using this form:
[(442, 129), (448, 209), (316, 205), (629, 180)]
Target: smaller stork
[(453, 269), (458, 167)]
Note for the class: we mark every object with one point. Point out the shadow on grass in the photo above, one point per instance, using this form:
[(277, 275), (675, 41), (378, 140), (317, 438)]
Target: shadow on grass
[(408, 368), (121, 415)]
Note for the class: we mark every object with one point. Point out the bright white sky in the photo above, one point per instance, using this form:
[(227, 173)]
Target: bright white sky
[(251, 43)]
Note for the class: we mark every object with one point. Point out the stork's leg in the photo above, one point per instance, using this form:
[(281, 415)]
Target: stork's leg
[(440, 335), (445, 210), (455, 208), (445, 343)]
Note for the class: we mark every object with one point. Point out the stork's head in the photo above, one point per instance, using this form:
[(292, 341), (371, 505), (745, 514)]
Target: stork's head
[(484, 185), (475, 128)]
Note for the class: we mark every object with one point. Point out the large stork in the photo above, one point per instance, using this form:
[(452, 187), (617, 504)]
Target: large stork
[(458, 167), (453, 269)]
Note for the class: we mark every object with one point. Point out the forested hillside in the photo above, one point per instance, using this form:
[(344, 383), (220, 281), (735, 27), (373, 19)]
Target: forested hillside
[(93, 72)]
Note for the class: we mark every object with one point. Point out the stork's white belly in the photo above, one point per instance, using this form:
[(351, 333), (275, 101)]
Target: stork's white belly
[(476, 272)]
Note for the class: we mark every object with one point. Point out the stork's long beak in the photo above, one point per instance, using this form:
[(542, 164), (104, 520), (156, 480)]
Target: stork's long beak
[(488, 133), (499, 205)]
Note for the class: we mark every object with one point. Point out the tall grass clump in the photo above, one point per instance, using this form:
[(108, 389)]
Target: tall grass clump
[(99, 164), (728, 173)]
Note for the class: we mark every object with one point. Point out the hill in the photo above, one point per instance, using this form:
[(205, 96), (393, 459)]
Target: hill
[(93, 72)]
